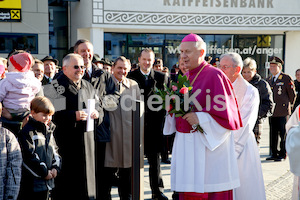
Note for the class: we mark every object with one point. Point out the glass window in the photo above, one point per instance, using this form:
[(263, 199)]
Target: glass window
[(58, 31), (11, 41), (260, 48), (146, 39), (114, 45), (172, 51), (166, 46)]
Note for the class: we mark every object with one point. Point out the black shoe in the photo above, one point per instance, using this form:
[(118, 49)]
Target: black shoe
[(272, 158), (166, 161), (279, 159), (159, 196), (282, 156)]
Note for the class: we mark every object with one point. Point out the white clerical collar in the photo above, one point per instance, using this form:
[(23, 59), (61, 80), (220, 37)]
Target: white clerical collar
[(146, 74), (276, 76)]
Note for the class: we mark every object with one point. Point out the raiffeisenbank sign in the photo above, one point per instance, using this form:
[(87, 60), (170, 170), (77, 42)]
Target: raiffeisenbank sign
[(207, 6), (203, 12), (221, 3)]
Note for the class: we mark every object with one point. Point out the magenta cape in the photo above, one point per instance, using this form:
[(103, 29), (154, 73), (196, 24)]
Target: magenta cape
[(217, 82)]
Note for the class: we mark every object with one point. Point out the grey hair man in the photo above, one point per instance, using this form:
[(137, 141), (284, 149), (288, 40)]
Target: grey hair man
[(190, 145), (247, 96), (80, 145)]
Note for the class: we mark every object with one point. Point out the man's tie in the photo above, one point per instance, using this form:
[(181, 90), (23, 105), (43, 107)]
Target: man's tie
[(119, 85), (146, 80), (87, 74), (273, 80)]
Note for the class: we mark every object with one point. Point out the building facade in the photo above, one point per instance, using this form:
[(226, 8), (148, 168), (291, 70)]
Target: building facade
[(29, 32), (41, 28), (253, 28)]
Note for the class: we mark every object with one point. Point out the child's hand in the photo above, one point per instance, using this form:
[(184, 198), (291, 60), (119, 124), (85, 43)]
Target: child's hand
[(54, 173), (49, 176)]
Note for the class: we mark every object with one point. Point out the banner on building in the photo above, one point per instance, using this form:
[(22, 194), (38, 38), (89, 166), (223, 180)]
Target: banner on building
[(10, 10)]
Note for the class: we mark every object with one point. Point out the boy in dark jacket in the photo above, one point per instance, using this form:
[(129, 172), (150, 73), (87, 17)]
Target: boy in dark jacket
[(41, 161)]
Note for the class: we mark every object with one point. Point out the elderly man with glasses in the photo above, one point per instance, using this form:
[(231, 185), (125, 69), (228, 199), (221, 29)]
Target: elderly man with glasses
[(76, 144), (247, 96)]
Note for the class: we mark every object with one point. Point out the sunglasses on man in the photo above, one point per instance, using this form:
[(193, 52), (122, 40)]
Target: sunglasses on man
[(77, 67)]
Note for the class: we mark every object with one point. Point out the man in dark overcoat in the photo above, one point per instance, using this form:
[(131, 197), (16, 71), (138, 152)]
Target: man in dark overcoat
[(147, 80), (284, 94), (104, 86), (76, 144)]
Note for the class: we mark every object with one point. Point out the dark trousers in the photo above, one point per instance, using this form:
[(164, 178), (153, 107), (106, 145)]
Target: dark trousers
[(100, 156), (15, 124), (165, 149), (155, 177), (167, 146), (277, 128), (124, 183), (29, 194)]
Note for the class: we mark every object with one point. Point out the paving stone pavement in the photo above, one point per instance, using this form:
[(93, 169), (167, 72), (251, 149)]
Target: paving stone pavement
[(280, 188), (277, 177)]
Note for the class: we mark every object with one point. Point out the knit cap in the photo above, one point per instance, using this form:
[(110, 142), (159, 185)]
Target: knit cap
[(22, 61)]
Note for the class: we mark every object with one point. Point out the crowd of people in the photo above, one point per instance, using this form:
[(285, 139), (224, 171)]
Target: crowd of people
[(48, 111)]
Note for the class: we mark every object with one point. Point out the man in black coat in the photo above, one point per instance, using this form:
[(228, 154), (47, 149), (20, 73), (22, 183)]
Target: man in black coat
[(76, 144), (148, 79), (104, 85)]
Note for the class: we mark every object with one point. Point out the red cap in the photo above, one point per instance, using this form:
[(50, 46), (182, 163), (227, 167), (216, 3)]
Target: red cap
[(22, 61)]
